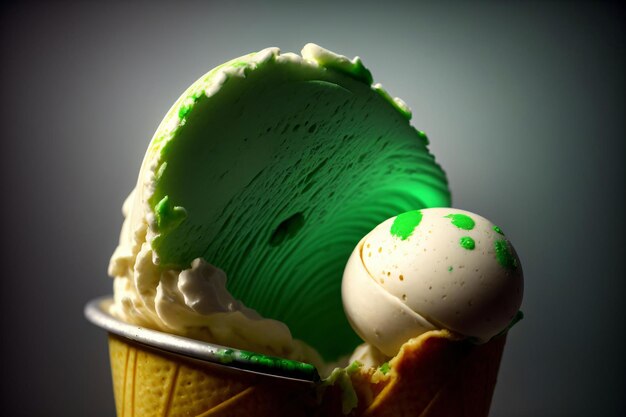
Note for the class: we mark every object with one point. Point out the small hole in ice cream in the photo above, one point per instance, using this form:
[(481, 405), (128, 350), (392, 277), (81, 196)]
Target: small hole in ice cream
[(287, 229)]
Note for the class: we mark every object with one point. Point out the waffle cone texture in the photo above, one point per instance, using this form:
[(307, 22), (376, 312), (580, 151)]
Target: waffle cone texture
[(434, 375), (152, 383)]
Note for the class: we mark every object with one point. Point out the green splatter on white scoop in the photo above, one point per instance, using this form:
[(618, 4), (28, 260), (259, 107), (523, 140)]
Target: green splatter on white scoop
[(272, 167), (432, 269)]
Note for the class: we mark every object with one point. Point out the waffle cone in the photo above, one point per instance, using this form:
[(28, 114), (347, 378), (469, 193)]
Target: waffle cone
[(148, 382), (434, 375)]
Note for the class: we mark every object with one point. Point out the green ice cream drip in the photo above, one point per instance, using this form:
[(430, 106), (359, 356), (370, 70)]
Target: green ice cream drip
[(467, 243), (385, 368), (504, 255), (264, 362), (404, 225), (462, 221)]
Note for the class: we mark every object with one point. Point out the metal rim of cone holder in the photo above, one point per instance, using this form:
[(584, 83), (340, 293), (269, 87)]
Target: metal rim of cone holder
[(96, 311)]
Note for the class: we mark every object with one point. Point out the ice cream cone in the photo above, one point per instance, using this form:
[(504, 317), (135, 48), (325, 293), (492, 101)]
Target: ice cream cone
[(434, 375), (150, 382)]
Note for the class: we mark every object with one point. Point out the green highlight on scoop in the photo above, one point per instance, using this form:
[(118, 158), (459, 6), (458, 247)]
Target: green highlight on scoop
[(498, 230), (467, 242), (504, 255), (462, 221), (169, 217), (404, 224)]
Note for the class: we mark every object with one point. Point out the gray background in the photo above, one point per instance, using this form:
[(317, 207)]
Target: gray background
[(523, 103)]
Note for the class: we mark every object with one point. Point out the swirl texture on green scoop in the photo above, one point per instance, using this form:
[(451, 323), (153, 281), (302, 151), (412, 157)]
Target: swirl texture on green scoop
[(272, 167)]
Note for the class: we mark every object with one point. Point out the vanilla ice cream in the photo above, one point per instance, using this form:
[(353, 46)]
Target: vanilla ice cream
[(431, 269)]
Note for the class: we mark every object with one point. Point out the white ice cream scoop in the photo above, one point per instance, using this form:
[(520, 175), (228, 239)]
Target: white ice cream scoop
[(429, 269)]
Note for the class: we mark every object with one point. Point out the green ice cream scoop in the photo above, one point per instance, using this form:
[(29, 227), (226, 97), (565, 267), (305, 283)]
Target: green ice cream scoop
[(272, 167)]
